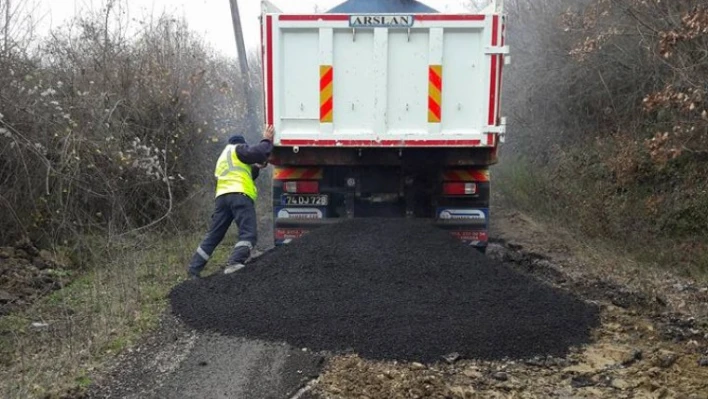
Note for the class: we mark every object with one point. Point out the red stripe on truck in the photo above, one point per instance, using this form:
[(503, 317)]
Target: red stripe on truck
[(269, 44), (501, 70), (326, 110), (434, 108), (382, 143), (495, 30), (311, 173), (263, 72), (345, 17), (314, 17), (326, 93), (493, 73), (327, 78), (490, 139), (493, 92), (434, 75), (450, 17), (435, 93)]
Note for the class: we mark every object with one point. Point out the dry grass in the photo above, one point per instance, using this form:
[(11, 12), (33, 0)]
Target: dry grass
[(95, 318), (606, 228), (120, 297)]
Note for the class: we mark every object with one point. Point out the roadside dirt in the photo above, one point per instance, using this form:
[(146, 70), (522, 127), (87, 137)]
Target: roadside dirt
[(175, 362), (26, 274), (652, 342)]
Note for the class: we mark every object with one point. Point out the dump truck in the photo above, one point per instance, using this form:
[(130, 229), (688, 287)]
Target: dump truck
[(383, 109)]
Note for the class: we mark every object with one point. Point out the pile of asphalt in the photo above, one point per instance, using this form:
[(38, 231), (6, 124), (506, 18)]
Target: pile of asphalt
[(388, 289)]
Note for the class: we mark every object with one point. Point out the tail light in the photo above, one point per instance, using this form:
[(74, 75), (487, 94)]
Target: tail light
[(301, 187), (461, 188)]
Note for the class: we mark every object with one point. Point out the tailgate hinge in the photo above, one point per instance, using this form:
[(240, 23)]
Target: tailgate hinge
[(495, 129), (497, 50), (502, 135)]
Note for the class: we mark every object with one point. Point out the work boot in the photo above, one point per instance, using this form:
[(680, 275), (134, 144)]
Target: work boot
[(233, 268), (193, 275)]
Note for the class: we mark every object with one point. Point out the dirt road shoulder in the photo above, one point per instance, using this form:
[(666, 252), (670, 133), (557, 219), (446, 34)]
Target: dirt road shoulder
[(175, 362)]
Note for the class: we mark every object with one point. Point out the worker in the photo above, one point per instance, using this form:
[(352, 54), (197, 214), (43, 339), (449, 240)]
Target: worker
[(236, 194)]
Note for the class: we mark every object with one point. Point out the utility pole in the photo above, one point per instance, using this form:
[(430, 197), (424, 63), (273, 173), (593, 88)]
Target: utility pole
[(251, 122), (6, 49)]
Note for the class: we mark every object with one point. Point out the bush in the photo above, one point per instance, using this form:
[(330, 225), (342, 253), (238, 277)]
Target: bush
[(104, 131), (607, 100)]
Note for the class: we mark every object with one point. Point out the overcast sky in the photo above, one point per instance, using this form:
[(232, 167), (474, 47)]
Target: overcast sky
[(211, 18)]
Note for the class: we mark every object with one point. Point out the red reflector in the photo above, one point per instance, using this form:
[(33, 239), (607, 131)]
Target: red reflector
[(301, 187), (459, 188), (289, 234), (475, 236)]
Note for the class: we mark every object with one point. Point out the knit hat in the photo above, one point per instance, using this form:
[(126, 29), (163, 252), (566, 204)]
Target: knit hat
[(237, 139)]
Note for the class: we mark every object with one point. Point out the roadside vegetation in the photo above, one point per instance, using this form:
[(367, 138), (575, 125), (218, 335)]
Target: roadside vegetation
[(109, 126), (608, 126)]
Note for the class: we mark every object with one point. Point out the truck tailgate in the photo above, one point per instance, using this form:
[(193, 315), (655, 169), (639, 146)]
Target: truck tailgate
[(423, 80)]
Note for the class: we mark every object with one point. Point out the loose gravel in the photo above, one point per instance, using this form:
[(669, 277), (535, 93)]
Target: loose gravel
[(388, 289)]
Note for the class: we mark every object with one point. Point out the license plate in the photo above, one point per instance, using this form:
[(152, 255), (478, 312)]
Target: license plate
[(305, 200), (289, 234), (471, 235)]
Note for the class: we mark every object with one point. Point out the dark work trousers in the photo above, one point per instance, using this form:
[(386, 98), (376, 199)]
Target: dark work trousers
[(232, 207)]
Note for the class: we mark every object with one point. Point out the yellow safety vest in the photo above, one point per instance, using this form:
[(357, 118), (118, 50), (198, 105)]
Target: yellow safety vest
[(234, 176)]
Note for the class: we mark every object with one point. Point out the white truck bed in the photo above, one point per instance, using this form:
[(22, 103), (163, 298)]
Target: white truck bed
[(422, 80)]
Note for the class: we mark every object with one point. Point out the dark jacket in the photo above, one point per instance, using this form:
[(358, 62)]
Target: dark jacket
[(253, 154)]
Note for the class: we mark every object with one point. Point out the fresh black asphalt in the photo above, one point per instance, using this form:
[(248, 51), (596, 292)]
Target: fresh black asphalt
[(388, 289)]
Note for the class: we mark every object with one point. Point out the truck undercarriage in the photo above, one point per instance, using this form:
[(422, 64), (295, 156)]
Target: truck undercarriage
[(314, 186)]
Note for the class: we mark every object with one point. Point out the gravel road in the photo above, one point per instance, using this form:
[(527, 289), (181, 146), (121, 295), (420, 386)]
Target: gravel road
[(176, 363)]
